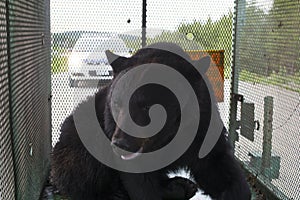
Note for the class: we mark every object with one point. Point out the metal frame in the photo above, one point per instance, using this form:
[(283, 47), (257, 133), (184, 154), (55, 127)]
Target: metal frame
[(10, 94), (256, 181)]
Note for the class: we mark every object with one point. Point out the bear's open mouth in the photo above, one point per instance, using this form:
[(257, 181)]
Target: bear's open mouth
[(131, 156), (126, 154)]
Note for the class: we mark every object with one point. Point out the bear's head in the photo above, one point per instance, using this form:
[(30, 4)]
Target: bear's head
[(145, 96)]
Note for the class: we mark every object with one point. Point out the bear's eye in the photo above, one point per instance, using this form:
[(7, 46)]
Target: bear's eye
[(146, 108)]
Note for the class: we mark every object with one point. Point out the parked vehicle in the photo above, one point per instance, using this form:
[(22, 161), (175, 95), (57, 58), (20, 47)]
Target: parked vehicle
[(88, 60)]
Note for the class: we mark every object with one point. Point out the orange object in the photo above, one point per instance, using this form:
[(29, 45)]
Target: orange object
[(215, 72)]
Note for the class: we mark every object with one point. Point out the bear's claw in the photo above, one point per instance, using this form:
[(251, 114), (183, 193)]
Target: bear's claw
[(180, 188)]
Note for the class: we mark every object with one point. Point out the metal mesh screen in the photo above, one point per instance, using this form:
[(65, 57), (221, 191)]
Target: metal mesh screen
[(89, 20), (201, 28), (266, 74), (6, 156), (25, 98), (199, 33)]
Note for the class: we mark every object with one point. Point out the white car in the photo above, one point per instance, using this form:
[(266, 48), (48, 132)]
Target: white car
[(88, 60)]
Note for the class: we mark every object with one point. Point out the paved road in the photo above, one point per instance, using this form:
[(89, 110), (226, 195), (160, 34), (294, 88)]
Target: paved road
[(286, 134), (64, 99)]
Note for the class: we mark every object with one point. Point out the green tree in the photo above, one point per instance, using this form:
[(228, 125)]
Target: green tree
[(284, 36), (252, 35), (212, 35), (175, 37)]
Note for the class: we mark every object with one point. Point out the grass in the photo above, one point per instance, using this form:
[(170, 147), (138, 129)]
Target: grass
[(58, 197), (281, 79), (59, 64), (59, 61)]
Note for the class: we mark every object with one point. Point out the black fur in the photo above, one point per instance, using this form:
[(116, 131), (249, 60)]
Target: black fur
[(79, 175)]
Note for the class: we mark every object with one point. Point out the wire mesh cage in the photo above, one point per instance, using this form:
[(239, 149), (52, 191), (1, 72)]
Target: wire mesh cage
[(86, 23), (262, 68), (7, 186), (192, 32), (25, 98), (258, 101), (265, 123)]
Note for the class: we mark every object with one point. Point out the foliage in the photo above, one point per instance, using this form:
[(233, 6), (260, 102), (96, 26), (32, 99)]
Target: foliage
[(284, 30), (281, 79), (58, 197), (269, 40), (213, 36), (209, 35), (59, 60), (177, 38), (268, 44)]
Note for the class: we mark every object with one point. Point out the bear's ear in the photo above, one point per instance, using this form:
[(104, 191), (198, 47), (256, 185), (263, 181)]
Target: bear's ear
[(118, 63), (203, 64)]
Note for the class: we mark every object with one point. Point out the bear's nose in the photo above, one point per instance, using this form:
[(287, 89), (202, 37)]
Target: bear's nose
[(121, 143)]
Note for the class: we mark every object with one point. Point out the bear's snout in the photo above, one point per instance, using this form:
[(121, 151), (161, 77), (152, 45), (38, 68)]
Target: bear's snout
[(125, 149), (121, 143), (126, 142)]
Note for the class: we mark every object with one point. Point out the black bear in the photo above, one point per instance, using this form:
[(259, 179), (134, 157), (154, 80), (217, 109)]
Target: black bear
[(79, 175)]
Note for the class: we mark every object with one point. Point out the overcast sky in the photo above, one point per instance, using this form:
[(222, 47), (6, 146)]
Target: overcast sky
[(112, 15)]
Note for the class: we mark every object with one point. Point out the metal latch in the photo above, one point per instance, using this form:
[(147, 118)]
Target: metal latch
[(247, 124)]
